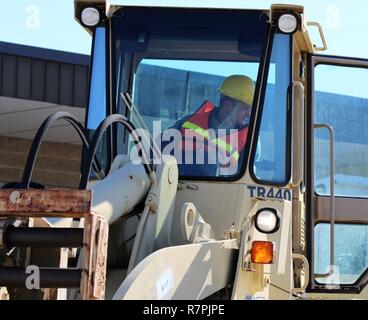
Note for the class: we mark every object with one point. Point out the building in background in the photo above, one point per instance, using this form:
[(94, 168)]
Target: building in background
[(35, 83)]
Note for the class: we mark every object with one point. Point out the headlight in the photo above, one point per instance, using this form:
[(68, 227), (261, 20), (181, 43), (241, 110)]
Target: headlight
[(287, 23), (267, 220), (90, 16)]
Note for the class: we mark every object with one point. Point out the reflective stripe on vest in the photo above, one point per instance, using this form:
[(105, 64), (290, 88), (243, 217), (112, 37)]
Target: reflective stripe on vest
[(219, 142)]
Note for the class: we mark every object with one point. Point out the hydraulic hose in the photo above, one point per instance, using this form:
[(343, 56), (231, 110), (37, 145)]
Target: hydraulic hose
[(106, 123), (48, 122)]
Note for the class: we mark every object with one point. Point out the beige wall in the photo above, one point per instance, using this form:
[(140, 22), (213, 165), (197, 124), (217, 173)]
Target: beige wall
[(57, 164)]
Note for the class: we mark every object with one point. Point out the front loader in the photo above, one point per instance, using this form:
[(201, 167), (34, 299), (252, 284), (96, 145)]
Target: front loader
[(287, 223)]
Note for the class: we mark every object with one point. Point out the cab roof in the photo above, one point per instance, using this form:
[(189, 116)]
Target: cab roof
[(110, 6), (205, 4)]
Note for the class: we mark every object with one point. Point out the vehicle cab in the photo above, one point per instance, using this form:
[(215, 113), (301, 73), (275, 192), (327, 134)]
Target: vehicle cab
[(295, 201)]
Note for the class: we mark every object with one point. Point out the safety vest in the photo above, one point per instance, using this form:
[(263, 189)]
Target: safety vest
[(197, 126)]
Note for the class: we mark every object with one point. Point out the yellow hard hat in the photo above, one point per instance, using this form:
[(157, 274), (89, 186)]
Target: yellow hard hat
[(238, 87)]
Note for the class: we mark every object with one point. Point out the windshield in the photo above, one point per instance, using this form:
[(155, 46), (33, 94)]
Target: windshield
[(192, 77)]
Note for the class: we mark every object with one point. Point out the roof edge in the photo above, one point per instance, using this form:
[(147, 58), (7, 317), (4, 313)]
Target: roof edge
[(44, 54)]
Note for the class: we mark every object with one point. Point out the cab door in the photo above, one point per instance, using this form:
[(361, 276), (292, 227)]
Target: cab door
[(337, 176)]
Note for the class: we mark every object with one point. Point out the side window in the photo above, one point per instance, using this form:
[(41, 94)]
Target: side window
[(351, 252), (341, 101), (272, 154), (97, 96)]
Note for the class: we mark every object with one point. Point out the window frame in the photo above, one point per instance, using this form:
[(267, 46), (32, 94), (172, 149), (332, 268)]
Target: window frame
[(316, 203), (108, 111), (356, 283), (259, 91), (288, 123)]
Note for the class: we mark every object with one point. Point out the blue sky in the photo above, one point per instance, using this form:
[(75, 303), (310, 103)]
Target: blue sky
[(345, 23), (43, 23), (51, 24)]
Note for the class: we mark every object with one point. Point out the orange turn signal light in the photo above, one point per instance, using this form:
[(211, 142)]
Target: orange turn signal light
[(262, 252)]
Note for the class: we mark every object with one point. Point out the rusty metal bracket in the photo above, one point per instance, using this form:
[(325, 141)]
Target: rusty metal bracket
[(95, 254), (36, 203)]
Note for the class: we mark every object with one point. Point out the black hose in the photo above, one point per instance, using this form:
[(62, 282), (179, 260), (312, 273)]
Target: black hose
[(106, 123), (28, 170), (49, 277), (25, 237)]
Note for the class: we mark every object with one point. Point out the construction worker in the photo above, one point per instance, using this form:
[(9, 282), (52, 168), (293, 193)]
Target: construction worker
[(222, 129)]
